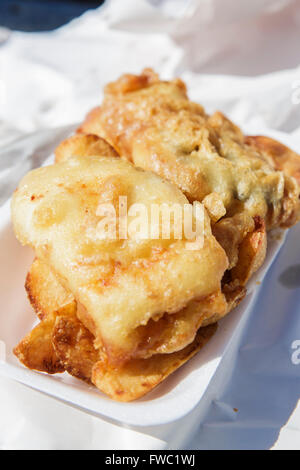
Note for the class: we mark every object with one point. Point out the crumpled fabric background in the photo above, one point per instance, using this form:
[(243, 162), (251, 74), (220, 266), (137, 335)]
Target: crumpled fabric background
[(240, 57)]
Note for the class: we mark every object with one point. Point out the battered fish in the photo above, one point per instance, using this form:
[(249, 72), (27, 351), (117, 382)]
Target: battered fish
[(61, 343), (125, 290), (242, 181)]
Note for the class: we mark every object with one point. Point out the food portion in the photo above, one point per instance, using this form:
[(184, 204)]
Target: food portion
[(125, 287), (121, 306), (154, 124), (140, 376), (61, 343), (126, 303), (247, 184)]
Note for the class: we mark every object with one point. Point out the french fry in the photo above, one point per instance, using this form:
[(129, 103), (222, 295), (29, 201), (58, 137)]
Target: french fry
[(140, 376), (36, 351), (62, 343), (74, 345), (252, 253)]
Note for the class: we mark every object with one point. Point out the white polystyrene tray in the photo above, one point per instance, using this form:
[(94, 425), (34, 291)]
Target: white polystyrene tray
[(171, 400)]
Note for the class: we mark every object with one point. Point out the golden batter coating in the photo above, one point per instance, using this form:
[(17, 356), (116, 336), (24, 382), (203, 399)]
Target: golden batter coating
[(123, 313), (61, 343), (154, 125), (83, 146), (124, 288), (45, 293), (278, 155)]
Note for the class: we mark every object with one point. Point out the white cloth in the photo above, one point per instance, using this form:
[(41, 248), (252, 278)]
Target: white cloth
[(241, 57)]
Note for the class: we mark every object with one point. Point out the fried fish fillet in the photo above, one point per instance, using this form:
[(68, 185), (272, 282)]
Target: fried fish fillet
[(180, 326), (123, 314), (154, 125), (229, 234), (124, 289), (239, 179), (62, 343), (229, 237)]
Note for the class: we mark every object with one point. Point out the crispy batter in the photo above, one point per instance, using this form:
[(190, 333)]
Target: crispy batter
[(164, 334), (120, 284), (65, 339), (155, 126), (214, 205), (279, 156), (123, 314), (140, 376), (45, 293), (83, 146), (171, 331), (92, 125)]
